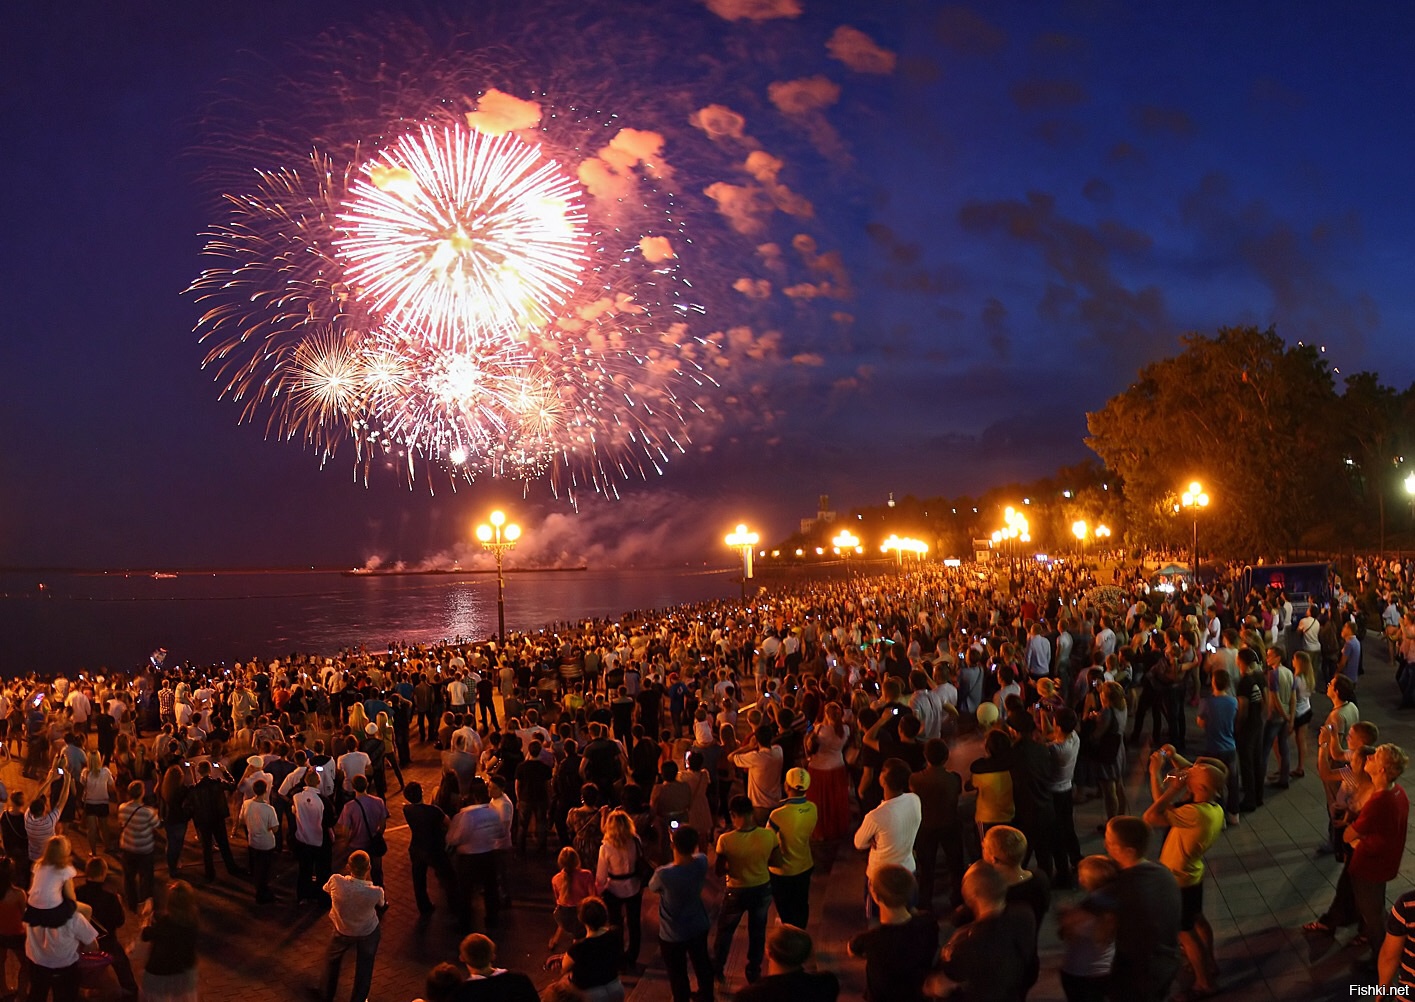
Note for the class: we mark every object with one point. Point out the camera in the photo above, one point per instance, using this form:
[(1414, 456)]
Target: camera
[(673, 825)]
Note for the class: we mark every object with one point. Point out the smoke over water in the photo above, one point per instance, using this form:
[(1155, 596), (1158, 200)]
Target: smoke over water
[(659, 530)]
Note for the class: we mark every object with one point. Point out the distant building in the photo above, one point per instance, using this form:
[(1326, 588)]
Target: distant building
[(824, 516)]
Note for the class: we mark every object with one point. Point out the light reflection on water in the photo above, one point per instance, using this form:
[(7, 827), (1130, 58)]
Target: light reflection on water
[(92, 621)]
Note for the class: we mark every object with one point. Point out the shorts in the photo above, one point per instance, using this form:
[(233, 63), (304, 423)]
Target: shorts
[(96, 810), (1191, 905), (567, 918), (1303, 719)]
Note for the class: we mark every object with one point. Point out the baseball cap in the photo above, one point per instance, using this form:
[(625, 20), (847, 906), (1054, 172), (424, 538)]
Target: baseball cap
[(798, 779)]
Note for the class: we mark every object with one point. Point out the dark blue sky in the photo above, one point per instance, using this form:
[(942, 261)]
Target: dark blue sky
[(1027, 207)]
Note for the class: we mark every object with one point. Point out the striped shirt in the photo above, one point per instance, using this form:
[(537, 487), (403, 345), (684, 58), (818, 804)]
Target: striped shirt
[(139, 827), (38, 831), (1401, 924)]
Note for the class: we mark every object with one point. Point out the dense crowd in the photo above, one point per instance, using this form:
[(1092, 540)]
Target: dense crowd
[(708, 757)]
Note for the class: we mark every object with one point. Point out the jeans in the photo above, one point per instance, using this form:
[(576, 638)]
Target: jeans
[(793, 897), (63, 981), (755, 903), (627, 914), (122, 966), (1234, 795), (1068, 846), (137, 877), (1360, 903), (366, 947), (176, 836), (1252, 763), (420, 862), (676, 957), (315, 862), (262, 863), (477, 871), (927, 844), (1279, 730), (216, 836)]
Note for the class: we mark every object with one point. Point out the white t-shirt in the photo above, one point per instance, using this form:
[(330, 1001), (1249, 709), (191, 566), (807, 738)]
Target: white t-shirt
[(888, 832), (46, 889)]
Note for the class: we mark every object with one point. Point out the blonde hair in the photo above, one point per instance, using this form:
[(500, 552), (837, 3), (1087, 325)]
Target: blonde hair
[(1392, 759), (58, 853), (1007, 844), (619, 828)]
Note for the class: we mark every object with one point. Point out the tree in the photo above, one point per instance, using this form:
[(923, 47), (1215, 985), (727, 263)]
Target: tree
[(1244, 414)]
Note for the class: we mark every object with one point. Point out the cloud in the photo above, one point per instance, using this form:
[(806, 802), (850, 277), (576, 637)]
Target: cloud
[(842, 318), (718, 121), (1126, 153), (754, 10), (965, 31), (1097, 191), (801, 97), (807, 290), (809, 359), (498, 113), (1082, 286), (829, 264), (656, 249), (1156, 120), (745, 207), (753, 288), (1297, 265), (609, 174), (771, 256), (859, 51), (1048, 95), (994, 317)]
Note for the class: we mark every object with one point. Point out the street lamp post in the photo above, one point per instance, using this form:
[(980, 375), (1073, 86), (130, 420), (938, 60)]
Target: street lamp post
[(904, 545), (845, 543), (498, 537), (741, 539), (1079, 528), (1195, 499), (1410, 492)]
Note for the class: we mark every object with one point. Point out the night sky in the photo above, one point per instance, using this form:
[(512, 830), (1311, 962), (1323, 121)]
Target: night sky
[(1012, 209)]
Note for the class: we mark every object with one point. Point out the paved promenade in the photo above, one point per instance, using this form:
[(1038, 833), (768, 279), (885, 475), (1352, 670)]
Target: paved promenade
[(1265, 881)]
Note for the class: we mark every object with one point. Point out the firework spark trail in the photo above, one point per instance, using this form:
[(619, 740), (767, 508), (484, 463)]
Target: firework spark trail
[(462, 235)]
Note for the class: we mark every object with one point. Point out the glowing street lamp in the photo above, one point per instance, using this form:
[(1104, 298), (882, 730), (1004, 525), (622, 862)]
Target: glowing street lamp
[(744, 540), (905, 545), (845, 543), (1410, 490), (1195, 500), (498, 537), (1079, 529)]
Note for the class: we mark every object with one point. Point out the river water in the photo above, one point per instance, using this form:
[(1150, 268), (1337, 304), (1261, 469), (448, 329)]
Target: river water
[(71, 621)]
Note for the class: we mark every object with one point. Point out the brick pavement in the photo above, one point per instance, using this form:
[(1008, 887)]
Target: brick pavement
[(1264, 881)]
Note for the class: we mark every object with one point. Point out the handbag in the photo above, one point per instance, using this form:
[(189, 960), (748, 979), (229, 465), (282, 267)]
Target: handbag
[(377, 844)]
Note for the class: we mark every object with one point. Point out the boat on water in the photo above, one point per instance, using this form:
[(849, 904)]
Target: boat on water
[(162, 575)]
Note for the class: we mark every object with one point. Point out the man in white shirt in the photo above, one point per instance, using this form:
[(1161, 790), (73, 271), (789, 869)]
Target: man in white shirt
[(312, 849), (355, 903), (764, 763), (352, 763), (889, 830), (261, 823), (54, 956)]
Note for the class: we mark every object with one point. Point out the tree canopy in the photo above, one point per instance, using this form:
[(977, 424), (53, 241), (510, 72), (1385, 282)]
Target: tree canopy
[(1259, 423)]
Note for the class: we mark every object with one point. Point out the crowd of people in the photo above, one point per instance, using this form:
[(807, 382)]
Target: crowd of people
[(701, 762)]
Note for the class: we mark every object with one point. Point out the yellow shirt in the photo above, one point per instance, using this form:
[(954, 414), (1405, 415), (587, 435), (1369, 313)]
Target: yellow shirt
[(1192, 829), (747, 854), (794, 822)]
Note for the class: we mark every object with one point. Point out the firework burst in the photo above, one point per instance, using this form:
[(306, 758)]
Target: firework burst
[(451, 300)]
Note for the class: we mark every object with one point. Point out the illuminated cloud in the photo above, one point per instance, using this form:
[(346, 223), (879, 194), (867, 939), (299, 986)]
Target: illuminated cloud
[(499, 113), (745, 207), (771, 256), (804, 96), (754, 10), (718, 121), (809, 359), (753, 288), (859, 51), (807, 290), (842, 318), (609, 174), (656, 249)]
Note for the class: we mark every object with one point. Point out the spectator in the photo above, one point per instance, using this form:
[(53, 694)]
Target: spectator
[(938, 789), (1193, 829), (682, 918), (592, 963), (971, 955), (170, 974), (486, 982), (1144, 904), (743, 857), (355, 905), (619, 878), (788, 950), (793, 823), (108, 917), (889, 830), (1088, 940), (900, 952)]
